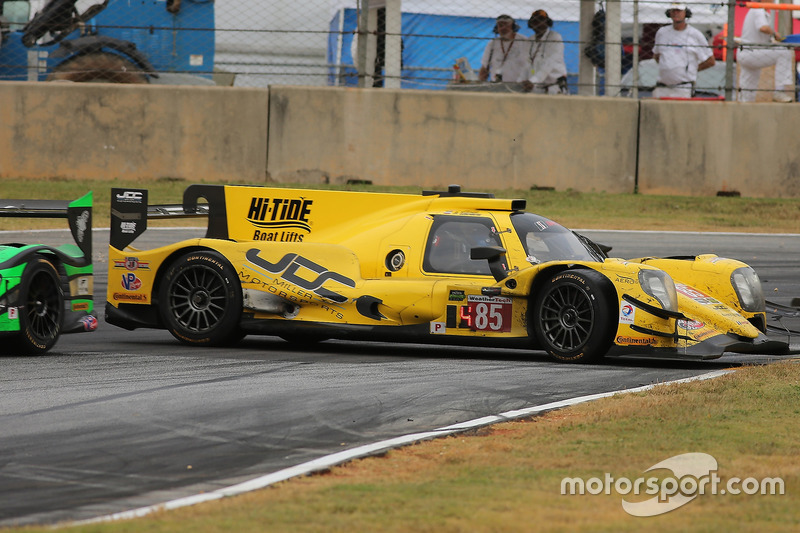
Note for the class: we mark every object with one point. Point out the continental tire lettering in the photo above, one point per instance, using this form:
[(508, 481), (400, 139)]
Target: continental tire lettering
[(191, 341), (571, 276), (207, 259), (575, 357), (34, 342)]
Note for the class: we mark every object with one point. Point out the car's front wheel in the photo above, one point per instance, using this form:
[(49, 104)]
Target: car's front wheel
[(41, 312), (572, 316), (200, 299)]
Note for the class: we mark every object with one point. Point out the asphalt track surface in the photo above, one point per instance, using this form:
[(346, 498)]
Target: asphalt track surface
[(116, 420)]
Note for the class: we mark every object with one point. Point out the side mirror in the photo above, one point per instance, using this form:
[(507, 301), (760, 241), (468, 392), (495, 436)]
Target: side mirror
[(496, 257)]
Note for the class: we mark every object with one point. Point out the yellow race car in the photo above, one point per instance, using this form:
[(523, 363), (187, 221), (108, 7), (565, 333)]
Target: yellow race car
[(447, 267)]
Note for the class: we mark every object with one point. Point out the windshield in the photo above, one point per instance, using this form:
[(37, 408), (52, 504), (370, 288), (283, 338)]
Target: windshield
[(545, 240)]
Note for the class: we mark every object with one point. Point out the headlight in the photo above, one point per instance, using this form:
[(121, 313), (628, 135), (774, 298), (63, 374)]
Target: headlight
[(748, 288), (660, 286)]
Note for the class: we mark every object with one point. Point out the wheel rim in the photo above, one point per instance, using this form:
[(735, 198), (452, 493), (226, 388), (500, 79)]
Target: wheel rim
[(198, 299), (42, 307), (567, 317)]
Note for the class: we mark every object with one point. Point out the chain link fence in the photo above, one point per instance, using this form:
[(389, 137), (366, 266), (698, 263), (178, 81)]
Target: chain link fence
[(410, 44)]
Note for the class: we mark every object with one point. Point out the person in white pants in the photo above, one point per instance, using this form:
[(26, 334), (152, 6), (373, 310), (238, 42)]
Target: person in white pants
[(756, 53)]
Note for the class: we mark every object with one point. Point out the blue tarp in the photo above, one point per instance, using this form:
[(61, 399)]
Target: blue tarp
[(432, 44)]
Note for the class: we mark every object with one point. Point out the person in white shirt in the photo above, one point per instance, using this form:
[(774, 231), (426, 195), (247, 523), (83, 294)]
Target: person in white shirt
[(681, 51), (756, 53), (548, 71), (505, 57)]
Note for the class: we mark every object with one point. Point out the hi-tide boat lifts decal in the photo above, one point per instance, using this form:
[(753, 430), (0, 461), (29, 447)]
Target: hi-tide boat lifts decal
[(280, 219)]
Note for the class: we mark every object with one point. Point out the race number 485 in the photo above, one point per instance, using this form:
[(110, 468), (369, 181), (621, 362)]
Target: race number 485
[(486, 313)]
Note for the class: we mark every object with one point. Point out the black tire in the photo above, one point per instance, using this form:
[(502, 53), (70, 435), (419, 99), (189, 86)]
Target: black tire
[(101, 67), (573, 316), (200, 300), (41, 311)]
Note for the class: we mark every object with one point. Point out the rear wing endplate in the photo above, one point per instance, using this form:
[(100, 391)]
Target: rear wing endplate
[(77, 212), (130, 212)]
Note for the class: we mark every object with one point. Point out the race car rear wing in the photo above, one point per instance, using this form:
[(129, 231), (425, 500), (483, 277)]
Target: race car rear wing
[(77, 212), (130, 212)]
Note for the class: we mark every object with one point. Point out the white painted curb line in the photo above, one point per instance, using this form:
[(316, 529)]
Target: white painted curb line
[(327, 461)]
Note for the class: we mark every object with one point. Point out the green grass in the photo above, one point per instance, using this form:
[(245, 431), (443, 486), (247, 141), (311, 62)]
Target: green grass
[(507, 477), (571, 208)]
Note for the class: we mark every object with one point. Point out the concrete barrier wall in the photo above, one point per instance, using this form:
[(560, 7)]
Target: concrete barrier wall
[(416, 138), (104, 131), (435, 138), (701, 148)]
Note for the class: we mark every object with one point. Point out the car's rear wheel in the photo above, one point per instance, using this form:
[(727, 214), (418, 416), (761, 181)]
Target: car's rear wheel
[(200, 300), (41, 312), (572, 316)]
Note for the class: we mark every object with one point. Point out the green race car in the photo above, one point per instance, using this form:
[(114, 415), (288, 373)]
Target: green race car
[(46, 290)]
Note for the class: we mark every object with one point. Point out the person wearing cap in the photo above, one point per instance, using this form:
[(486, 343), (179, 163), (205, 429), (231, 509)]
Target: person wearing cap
[(756, 53), (547, 69), (505, 58), (681, 51)]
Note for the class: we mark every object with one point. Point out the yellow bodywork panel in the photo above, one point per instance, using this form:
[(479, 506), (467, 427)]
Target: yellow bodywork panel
[(348, 260)]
